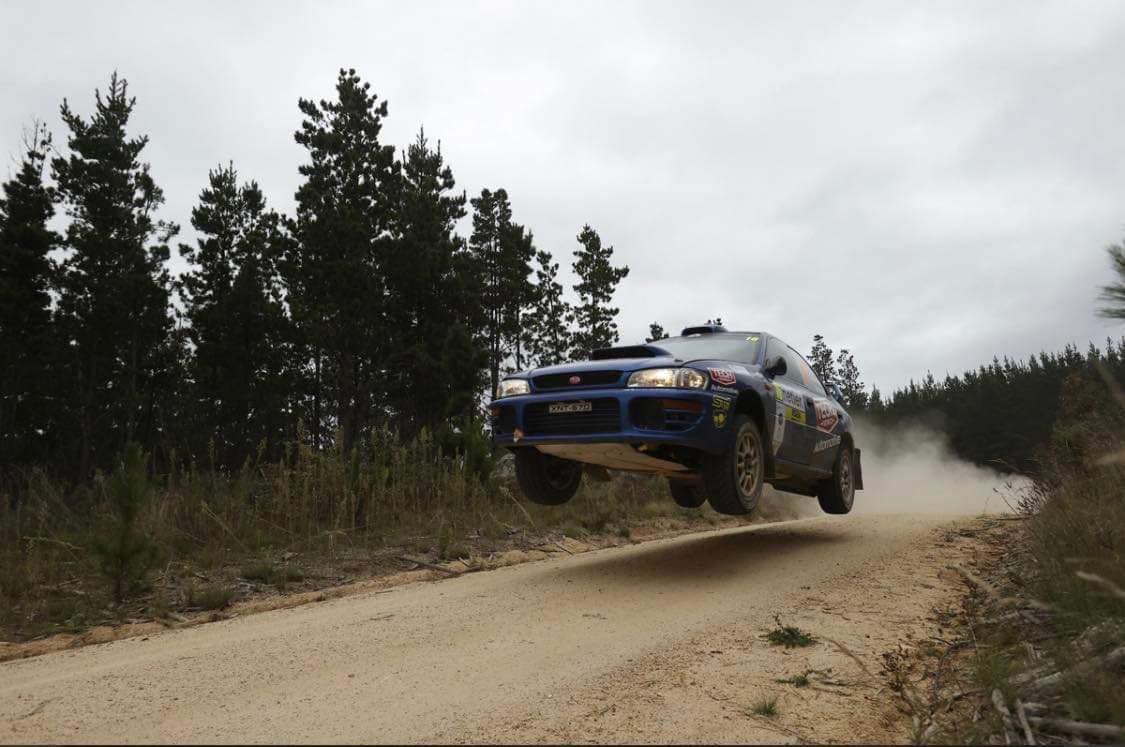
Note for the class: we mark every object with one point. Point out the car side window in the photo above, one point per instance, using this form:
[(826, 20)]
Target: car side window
[(793, 366), (775, 348), (809, 377)]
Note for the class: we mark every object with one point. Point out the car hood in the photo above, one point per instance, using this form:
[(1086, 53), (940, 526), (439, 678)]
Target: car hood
[(614, 364)]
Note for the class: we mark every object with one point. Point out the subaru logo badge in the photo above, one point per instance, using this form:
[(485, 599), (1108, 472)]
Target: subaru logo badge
[(575, 380)]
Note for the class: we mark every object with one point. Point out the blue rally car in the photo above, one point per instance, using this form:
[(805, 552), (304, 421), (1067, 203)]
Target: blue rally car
[(718, 413)]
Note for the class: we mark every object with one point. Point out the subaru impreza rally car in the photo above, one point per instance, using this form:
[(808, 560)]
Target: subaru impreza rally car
[(718, 413)]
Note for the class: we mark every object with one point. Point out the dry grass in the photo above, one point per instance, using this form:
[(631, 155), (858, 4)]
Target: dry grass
[(1043, 643), (316, 519)]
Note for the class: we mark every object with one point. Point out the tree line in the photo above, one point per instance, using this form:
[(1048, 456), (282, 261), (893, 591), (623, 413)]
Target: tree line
[(1001, 414), (364, 308)]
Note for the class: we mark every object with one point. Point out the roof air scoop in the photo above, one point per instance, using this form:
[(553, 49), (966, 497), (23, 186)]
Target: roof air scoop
[(628, 351), (703, 329)]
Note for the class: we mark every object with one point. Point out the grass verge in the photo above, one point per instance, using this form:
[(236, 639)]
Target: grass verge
[(135, 545)]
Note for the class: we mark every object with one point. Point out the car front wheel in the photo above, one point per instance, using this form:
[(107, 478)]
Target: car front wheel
[(545, 479), (734, 478)]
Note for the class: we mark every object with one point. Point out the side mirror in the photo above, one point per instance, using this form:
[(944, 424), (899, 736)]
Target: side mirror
[(834, 390), (776, 366)]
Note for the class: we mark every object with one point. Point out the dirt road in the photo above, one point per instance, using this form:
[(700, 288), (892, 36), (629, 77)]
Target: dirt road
[(660, 641)]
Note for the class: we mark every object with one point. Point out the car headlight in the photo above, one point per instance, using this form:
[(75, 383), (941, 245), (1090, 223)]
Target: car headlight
[(512, 387), (661, 378)]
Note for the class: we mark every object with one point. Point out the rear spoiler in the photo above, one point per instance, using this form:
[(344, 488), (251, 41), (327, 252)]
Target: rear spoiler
[(629, 351)]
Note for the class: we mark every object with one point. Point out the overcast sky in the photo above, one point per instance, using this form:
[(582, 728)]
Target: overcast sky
[(927, 184)]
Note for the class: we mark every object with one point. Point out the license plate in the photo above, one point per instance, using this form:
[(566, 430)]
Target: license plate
[(555, 408)]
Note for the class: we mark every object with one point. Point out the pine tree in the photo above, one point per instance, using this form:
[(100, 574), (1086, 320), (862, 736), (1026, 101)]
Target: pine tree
[(875, 404), (1114, 293), (598, 280), (334, 271), (854, 390), (27, 276), (114, 291), (501, 252), (519, 251), (820, 358), (655, 332), (232, 299), (550, 320), (430, 295)]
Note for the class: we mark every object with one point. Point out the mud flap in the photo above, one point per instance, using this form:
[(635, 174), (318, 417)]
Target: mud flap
[(857, 467)]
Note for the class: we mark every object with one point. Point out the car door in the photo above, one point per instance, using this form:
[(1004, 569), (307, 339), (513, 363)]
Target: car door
[(789, 434), (825, 419), (797, 377)]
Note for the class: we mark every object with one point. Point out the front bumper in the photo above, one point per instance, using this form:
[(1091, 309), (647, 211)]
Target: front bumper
[(651, 417)]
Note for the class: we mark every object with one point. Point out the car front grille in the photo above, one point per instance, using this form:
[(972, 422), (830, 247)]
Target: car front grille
[(585, 378), (604, 417)]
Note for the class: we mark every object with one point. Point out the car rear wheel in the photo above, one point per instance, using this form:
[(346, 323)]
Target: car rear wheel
[(545, 479), (734, 478), (837, 493), (687, 494)]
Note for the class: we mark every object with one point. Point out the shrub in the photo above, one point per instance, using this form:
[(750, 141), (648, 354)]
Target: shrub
[(123, 551), (789, 636)]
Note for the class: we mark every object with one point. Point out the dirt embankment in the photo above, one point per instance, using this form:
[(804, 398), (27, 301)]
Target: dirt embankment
[(661, 641)]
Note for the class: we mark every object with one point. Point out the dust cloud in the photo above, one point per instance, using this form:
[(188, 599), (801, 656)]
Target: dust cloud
[(909, 469)]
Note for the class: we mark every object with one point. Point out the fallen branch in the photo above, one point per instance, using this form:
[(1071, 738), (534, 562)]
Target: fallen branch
[(1079, 728), (1005, 716), (847, 652), (431, 566), (1114, 656), (1022, 714), (976, 581), (999, 599)]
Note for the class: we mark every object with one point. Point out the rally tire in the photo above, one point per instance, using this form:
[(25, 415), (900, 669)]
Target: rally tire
[(837, 493), (545, 479), (687, 494), (733, 479)]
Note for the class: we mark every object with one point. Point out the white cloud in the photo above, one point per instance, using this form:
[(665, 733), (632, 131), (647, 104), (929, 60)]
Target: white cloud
[(925, 183)]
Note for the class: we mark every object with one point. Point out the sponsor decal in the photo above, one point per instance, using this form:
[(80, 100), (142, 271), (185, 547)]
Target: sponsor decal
[(558, 408), (789, 397), (723, 376), (827, 443), (826, 415), (725, 389), (794, 415), (752, 338), (720, 409), (575, 380)]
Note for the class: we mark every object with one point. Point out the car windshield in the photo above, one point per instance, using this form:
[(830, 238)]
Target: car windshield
[(738, 347)]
